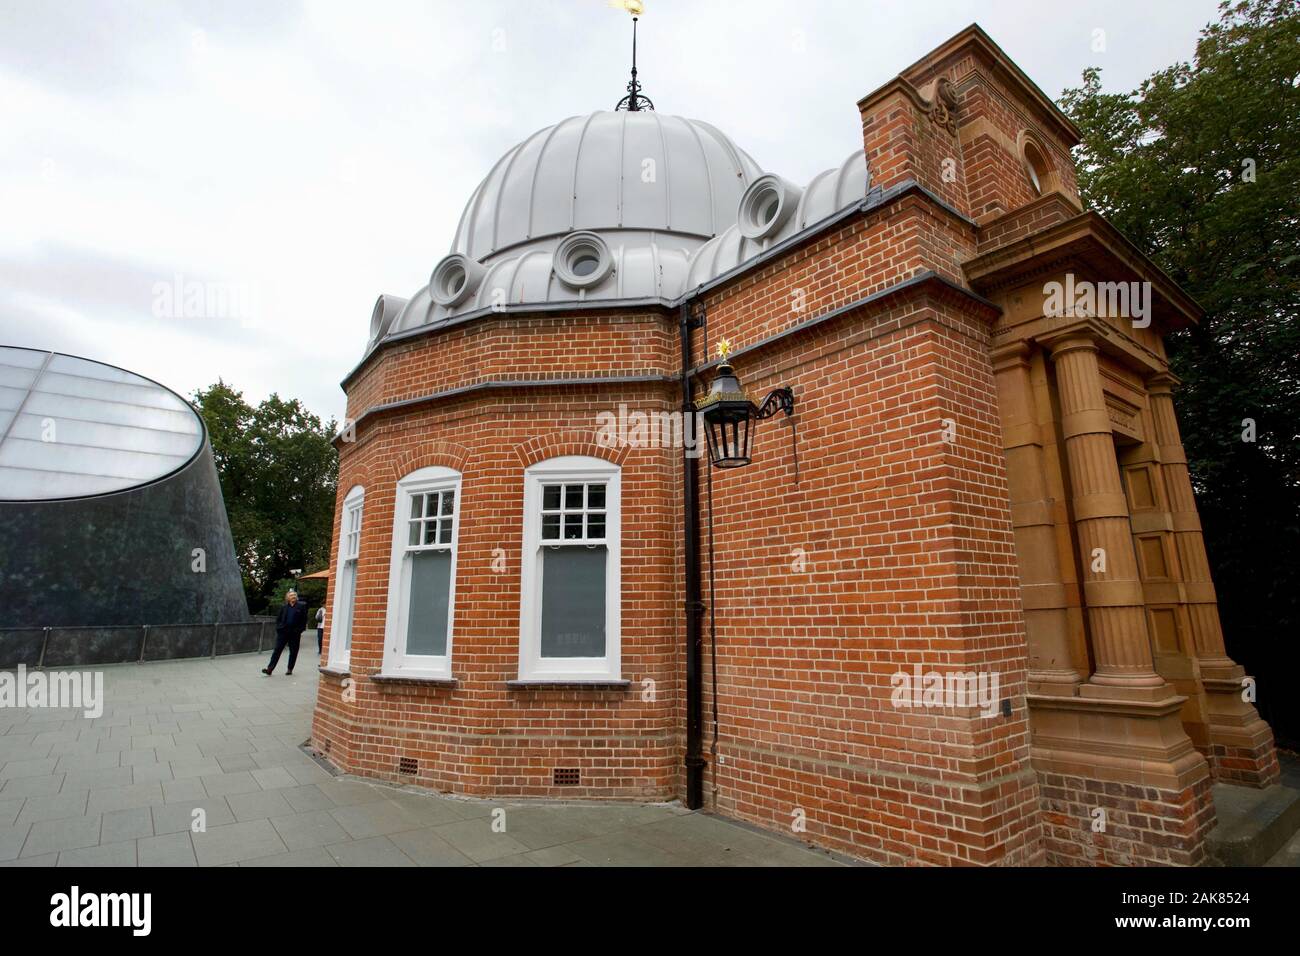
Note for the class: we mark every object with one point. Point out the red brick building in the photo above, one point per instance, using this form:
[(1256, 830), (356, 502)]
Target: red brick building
[(990, 495)]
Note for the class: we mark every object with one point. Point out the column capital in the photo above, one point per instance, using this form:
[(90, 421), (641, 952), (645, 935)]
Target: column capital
[(1011, 355), (1075, 336), (1163, 383)]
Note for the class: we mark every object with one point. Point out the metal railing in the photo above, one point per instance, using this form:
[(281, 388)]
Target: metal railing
[(136, 643)]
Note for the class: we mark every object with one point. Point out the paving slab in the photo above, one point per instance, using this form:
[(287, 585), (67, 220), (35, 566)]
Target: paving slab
[(257, 806), (53, 836), (121, 825), (236, 842), (214, 735), (172, 849), (376, 851), (312, 829), (107, 854), (427, 848)]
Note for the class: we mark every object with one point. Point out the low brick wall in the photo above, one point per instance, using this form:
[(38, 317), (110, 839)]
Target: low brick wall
[(82, 646)]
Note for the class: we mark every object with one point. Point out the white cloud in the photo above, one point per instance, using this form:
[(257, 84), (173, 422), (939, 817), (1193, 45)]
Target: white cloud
[(321, 154)]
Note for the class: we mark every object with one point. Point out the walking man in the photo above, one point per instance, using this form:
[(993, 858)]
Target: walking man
[(289, 625), (320, 629)]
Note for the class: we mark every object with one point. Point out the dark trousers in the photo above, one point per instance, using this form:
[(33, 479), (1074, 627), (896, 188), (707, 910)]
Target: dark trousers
[(284, 639), (320, 639)]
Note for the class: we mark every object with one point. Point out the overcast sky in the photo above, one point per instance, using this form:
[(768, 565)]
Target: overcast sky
[(301, 158)]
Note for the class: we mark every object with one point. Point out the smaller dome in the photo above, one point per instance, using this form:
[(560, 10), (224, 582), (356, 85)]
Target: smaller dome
[(791, 211)]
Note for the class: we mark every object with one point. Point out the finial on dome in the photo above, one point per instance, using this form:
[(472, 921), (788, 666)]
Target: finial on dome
[(634, 101)]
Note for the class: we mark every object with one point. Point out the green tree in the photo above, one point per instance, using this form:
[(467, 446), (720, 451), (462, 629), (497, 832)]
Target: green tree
[(278, 471), (1200, 166)]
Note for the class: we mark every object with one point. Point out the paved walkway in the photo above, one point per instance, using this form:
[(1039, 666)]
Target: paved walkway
[(176, 737)]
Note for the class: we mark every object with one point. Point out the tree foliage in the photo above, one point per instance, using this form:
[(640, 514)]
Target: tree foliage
[(278, 473), (1200, 166)]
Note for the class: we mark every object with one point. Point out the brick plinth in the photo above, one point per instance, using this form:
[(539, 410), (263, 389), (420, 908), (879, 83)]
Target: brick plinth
[(1141, 826)]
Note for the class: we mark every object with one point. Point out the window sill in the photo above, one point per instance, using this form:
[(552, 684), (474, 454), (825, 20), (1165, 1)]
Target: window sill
[(330, 671), (413, 679), (546, 683)]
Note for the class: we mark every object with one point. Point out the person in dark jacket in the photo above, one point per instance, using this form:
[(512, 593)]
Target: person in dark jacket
[(289, 625)]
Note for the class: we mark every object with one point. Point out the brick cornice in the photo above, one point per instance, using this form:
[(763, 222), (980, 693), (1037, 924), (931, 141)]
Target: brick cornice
[(498, 385), (975, 42)]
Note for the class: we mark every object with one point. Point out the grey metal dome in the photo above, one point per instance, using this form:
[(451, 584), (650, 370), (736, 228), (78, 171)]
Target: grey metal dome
[(611, 205), (614, 206), (608, 171)]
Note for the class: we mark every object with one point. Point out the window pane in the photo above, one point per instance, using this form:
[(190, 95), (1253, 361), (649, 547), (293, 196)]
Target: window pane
[(448, 502), (414, 538), (430, 504), (444, 531), (595, 526), (550, 497), (596, 496), (417, 506), (431, 532), (573, 496), (426, 619), (550, 527), (573, 602), (572, 527), (343, 630)]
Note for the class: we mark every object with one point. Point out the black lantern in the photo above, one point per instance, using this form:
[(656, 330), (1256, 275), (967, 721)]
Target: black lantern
[(729, 415)]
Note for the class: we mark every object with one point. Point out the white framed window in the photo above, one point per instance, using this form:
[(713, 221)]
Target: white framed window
[(345, 581), (422, 577), (570, 572)]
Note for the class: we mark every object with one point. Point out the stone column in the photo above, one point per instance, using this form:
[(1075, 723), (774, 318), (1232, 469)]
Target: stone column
[(1201, 603), (1051, 670), (1242, 742), (1115, 602)]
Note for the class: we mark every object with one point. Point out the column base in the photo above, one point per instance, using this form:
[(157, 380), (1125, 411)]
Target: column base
[(1242, 751), (1184, 675), (1122, 783)]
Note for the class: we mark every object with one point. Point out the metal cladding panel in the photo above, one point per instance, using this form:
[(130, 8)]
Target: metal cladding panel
[(125, 558), (826, 194), (70, 427)]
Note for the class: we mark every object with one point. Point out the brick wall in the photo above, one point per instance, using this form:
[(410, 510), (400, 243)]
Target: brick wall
[(481, 737)]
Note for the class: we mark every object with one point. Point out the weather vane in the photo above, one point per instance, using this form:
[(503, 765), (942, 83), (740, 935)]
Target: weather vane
[(635, 101)]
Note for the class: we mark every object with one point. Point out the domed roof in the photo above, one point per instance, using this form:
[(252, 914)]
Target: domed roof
[(614, 207), (115, 429), (604, 171)]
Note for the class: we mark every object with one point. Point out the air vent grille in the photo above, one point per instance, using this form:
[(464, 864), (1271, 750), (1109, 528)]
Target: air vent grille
[(566, 776), (408, 766)]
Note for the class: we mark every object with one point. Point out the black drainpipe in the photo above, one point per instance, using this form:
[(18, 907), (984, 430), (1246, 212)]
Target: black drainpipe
[(691, 563)]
